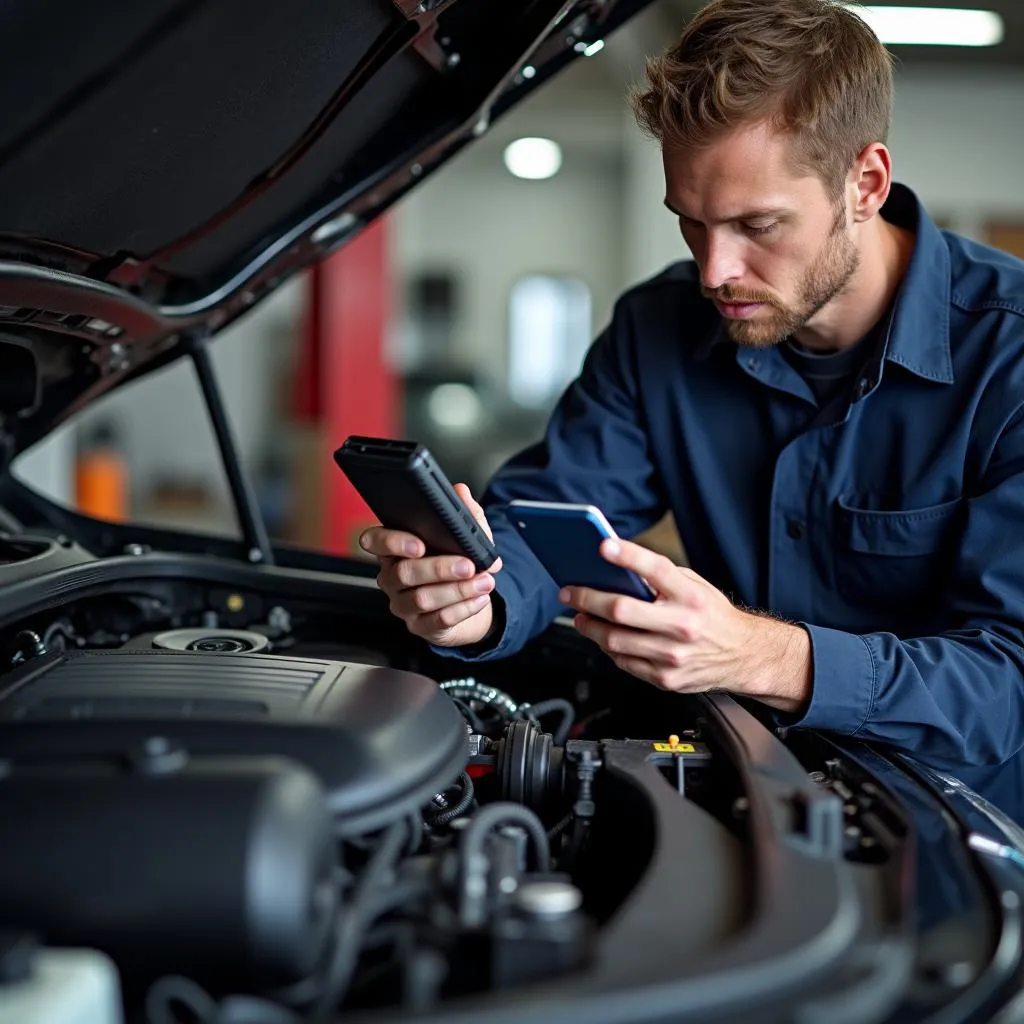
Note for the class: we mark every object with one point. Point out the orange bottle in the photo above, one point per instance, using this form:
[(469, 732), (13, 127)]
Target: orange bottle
[(101, 477)]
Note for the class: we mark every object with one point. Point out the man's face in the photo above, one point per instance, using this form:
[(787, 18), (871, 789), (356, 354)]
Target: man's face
[(772, 245)]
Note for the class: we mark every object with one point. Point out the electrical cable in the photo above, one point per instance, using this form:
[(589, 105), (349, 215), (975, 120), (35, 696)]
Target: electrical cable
[(560, 826), (395, 895), (415, 823), (355, 919), (174, 991), (447, 816), (164, 993)]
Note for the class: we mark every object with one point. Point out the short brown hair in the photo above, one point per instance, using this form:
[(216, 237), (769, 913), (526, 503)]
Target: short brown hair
[(812, 67)]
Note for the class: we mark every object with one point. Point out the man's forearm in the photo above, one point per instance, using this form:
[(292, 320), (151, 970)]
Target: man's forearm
[(778, 667)]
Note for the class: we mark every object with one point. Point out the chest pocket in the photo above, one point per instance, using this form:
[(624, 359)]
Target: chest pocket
[(896, 560)]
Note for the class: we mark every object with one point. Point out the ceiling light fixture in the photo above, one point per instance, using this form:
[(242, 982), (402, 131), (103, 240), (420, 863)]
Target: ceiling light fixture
[(533, 158), (931, 26)]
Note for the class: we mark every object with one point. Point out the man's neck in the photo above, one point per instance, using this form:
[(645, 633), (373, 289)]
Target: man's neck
[(885, 255)]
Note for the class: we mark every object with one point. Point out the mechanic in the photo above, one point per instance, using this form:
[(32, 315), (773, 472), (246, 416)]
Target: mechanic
[(828, 397)]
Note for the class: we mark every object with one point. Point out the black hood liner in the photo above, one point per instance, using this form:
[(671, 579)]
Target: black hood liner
[(150, 133), (165, 165)]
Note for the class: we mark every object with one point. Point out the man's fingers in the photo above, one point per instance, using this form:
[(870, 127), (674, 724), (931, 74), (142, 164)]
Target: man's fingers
[(662, 573), (394, 543), (438, 622), (476, 509), (633, 643), (463, 491), (657, 617), (409, 573), (410, 604)]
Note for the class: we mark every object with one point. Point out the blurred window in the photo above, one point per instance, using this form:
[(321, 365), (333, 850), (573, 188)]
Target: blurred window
[(549, 334)]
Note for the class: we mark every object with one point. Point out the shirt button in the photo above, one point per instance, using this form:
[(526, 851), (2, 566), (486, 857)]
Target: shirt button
[(753, 363), (864, 385), (795, 529)]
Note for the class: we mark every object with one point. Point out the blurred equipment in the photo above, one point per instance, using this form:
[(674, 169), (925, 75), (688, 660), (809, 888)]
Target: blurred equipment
[(56, 986), (343, 386), (101, 475)]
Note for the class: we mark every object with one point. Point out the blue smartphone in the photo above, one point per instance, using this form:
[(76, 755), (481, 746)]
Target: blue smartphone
[(566, 540)]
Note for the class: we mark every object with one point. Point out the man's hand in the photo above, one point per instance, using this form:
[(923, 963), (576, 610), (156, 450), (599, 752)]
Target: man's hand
[(693, 638), (442, 598)]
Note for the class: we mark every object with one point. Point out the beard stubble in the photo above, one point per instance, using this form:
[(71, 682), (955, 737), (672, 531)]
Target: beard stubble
[(828, 275)]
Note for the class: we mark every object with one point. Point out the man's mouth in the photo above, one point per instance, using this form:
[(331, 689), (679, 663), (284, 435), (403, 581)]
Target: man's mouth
[(737, 310)]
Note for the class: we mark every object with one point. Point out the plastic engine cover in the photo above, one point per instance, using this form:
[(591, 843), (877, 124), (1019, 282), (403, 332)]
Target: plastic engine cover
[(382, 741)]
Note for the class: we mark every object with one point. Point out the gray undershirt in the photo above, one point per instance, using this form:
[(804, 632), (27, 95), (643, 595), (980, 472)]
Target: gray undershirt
[(828, 374)]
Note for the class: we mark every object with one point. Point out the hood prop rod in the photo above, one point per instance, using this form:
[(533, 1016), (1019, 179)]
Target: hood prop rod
[(254, 531)]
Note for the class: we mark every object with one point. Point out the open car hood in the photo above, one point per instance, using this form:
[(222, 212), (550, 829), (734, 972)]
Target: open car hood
[(166, 165)]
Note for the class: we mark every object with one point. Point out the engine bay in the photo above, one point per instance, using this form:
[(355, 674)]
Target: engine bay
[(278, 808), (436, 811)]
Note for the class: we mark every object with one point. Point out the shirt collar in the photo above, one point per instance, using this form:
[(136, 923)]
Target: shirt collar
[(918, 338)]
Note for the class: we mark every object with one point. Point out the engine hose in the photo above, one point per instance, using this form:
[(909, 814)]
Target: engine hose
[(546, 707), (474, 866), (446, 817), (415, 834), (470, 689), (503, 814), (168, 994), (355, 919), (403, 893)]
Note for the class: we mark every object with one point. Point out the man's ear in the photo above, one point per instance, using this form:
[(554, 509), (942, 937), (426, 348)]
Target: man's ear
[(871, 179)]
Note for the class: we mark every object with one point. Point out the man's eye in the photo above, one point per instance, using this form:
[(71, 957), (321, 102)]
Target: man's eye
[(761, 229)]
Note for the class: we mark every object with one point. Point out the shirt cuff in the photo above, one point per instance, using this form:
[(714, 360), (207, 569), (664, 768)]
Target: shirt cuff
[(844, 682)]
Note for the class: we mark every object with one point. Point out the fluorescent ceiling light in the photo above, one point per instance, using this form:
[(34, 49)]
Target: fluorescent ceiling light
[(533, 158), (931, 26)]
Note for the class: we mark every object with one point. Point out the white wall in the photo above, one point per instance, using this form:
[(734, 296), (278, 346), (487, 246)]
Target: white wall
[(651, 233), (957, 140), (49, 467), (491, 228)]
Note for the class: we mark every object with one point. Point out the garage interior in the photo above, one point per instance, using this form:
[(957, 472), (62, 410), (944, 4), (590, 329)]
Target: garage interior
[(236, 781), (459, 317)]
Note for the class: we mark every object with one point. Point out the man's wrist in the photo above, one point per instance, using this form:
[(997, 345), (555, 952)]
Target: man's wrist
[(780, 670), (495, 631)]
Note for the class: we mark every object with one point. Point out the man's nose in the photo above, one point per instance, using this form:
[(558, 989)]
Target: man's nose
[(721, 264)]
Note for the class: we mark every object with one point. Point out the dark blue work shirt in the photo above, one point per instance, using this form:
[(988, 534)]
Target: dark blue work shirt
[(889, 524)]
